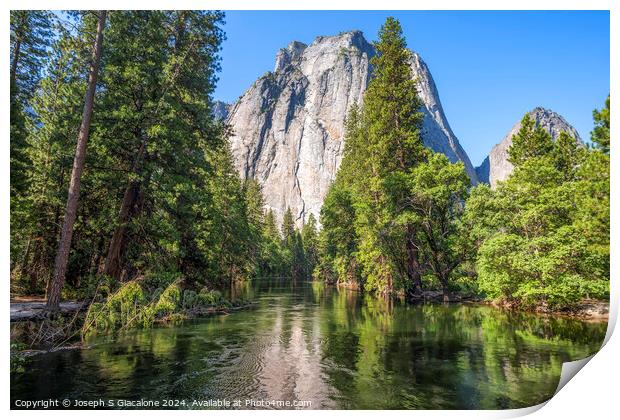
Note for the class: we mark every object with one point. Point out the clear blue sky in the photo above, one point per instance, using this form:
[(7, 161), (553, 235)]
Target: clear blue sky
[(490, 67)]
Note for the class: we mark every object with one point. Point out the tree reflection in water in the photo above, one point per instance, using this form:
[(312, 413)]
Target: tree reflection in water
[(336, 348)]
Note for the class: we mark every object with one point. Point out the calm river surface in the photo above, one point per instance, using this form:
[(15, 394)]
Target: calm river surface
[(336, 349)]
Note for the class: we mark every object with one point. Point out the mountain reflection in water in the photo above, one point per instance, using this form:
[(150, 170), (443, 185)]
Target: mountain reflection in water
[(334, 348)]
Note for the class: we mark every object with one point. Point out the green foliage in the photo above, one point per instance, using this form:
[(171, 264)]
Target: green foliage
[(161, 197), (337, 242), (400, 217), (600, 135), (138, 303), (42, 154), (391, 216), (532, 140), (168, 302), (337, 217), (270, 228), (383, 144), (437, 191), (18, 359), (392, 105), (309, 241), (389, 145), (190, 299), (210, 297), (31, 36), (567, 155), (125, 308), (542, 237), (288, 228), (176, 165), (160, 184)]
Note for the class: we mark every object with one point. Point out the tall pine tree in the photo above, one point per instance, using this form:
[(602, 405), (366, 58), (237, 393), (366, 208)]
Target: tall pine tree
[(31, 37), (64, 246), (391, 123)]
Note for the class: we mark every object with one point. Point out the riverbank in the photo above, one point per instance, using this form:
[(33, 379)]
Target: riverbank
[(33, 332), (587, 310)]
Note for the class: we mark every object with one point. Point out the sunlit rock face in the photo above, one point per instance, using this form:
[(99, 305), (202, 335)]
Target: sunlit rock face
[(496, 167), (288, 127)]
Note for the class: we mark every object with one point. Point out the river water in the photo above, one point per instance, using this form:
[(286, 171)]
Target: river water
[(309, 344)]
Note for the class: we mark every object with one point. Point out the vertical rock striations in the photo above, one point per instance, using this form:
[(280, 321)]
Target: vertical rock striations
[(496, 167), (289, 125), (436, 131)]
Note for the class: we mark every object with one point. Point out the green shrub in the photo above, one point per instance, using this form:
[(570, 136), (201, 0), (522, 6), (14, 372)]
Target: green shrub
[(190, 299), (209, 297), (169, 301), (122, 308), (17, 358)]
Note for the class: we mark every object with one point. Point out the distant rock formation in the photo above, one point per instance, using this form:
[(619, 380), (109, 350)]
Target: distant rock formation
[(496, 167), (289, 125), (220, 110)]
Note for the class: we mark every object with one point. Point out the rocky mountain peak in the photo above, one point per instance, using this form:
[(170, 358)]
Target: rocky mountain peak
[(288, 127), (354, 39), (496, 167), (286, 56)]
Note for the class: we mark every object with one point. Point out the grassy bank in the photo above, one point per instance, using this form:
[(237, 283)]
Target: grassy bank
[(137, 304)]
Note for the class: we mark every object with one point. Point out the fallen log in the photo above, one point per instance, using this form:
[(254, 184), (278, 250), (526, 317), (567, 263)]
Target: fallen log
[(30, 311)]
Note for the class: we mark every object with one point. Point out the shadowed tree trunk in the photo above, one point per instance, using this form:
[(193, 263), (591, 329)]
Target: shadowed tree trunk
[(441, 265), (112, 265), (19, 36), (132, 197), (64, 246), (414, 272)]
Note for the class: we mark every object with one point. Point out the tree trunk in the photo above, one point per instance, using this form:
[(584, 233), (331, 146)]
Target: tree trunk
[(132, 196), (112, 266), (447, 296), (14, 61), (21, 29), (414, 272), (64, 246), (95, 263)]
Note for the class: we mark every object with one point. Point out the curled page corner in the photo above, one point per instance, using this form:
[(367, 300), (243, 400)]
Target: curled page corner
[(570, 369), (613, 315), (519, 412)]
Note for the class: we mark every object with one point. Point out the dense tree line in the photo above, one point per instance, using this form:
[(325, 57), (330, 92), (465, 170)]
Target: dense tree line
[(542, 236), (400, 218), (157, 193)]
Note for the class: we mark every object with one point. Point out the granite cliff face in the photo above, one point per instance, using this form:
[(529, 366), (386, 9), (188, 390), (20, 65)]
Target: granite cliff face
[(288, 127), (496, 166)]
